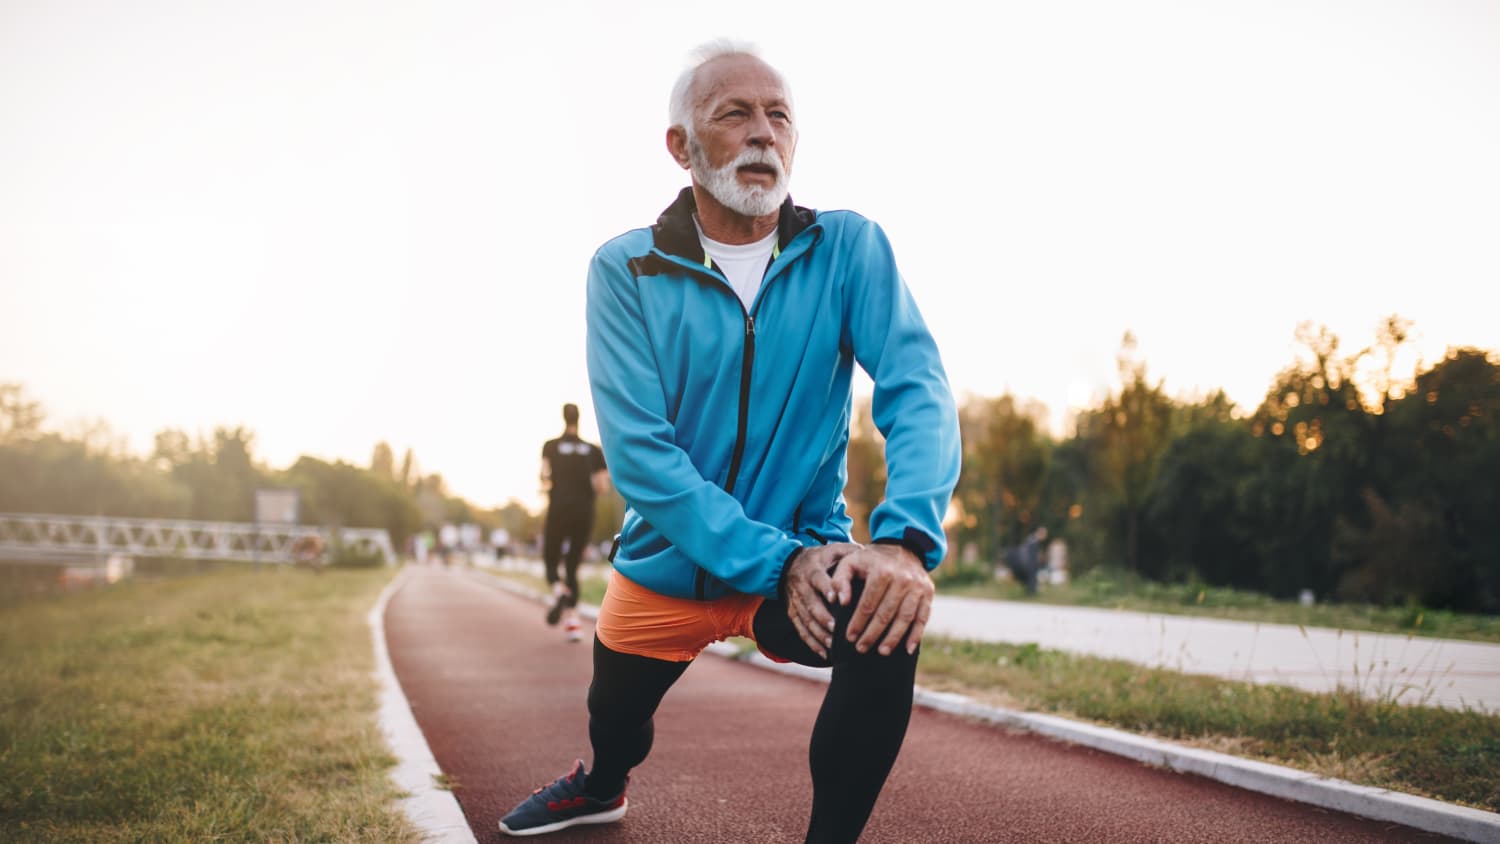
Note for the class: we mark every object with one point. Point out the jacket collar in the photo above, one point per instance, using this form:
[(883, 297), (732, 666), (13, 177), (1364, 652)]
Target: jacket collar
[(675, 234)]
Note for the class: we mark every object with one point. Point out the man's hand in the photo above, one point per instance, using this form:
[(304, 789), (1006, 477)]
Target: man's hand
[(808, 587), (897, 600)]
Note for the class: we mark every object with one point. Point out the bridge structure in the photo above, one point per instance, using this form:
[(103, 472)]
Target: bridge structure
[(41, 537)]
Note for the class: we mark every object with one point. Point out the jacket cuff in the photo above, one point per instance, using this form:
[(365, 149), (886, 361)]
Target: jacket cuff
[(915, 541)]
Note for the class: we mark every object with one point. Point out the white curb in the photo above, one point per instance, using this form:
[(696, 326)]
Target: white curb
[(1287, 783), (432, 810)]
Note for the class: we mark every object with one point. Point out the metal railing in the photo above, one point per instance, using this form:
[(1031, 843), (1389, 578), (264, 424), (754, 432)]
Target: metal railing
[(194, 540)]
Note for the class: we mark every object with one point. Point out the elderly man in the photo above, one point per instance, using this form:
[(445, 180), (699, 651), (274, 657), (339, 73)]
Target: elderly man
[(721, 347)]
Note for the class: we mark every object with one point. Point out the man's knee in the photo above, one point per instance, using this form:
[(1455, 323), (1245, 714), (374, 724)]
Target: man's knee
[(845, 650)]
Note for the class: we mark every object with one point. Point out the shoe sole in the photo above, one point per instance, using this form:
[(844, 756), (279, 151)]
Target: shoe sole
[(598, 817)]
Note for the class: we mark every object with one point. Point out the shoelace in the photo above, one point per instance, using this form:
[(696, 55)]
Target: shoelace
[(541, 788)]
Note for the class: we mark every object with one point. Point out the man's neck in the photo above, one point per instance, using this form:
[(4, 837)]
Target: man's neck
[(570, 430), (726, 226)]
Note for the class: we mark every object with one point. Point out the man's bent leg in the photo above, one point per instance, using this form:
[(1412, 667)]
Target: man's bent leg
[(623, 697), (861, 725)]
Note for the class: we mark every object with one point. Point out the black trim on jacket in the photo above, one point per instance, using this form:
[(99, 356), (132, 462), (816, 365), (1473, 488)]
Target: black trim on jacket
[(675, 234)]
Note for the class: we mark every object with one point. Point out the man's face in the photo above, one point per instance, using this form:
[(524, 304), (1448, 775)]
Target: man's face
[(742, 140)]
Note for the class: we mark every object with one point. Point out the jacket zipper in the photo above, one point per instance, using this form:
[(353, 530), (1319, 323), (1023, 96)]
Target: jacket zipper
[(744, 424), (700, 580)]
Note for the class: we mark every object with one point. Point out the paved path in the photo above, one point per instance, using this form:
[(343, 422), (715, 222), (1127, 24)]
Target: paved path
[(1409, 669), (500, 699)]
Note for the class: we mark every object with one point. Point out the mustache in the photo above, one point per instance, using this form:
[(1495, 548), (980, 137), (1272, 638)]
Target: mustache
[(758, 156)]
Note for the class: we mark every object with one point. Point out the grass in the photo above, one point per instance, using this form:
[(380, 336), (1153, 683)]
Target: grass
[(231, 706), (1120, 590), (1444, 754)]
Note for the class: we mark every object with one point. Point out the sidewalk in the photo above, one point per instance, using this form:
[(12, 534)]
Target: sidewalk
[(1408, 669)]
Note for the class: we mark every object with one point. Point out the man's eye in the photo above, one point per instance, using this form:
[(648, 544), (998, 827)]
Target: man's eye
[(781, 115)]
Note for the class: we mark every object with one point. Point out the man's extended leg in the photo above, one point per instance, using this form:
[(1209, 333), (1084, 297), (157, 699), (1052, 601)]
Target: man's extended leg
[(623, 697), (861, 725)]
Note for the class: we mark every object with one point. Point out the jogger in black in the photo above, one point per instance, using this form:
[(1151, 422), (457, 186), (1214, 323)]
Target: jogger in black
[(574, 473)]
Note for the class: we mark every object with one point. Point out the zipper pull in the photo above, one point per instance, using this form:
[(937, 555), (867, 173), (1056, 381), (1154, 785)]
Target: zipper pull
[(749, 326)]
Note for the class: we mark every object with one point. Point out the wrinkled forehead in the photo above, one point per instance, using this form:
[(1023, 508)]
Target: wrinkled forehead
[(738, 78)]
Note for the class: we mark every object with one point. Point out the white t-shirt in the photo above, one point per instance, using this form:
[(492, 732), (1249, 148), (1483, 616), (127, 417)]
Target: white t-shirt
[(743, 264)]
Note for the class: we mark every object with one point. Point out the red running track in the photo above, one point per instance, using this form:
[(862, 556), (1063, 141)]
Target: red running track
[(500, 699)]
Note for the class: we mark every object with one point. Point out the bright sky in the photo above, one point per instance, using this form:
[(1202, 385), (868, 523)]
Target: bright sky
[(348, 221)]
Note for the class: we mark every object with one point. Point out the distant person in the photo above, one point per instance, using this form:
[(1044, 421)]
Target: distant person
[(722, 343), (500, 542), (1026, 561), (574, 474)]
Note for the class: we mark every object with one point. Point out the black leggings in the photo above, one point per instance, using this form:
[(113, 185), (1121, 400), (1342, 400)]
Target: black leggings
[(854, 741)]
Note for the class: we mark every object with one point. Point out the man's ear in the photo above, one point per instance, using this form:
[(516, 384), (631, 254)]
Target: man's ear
[(677, 145)]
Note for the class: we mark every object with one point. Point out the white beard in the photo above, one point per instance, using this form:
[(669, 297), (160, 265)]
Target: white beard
[(724, 185)]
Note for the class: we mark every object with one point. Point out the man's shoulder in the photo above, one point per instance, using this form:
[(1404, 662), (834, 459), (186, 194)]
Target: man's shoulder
[(842, 219), (623, 247)]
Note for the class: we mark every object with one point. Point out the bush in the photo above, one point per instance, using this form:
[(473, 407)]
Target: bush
[(351, 557)]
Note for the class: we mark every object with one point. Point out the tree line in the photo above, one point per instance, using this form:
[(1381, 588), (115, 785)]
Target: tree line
[(1376, 489), (214, 477), (1346, 480)]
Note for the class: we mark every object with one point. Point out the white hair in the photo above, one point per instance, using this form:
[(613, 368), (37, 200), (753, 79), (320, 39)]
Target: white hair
[(680, 110)]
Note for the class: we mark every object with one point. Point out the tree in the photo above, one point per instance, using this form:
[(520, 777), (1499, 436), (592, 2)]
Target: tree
[(1006, 454), (523, 526), (1315, 444), (20, 417), (1195, 502), (1123, 440), (343, 495), (408, 469), (383, 461), (864, 488), (1441, 485)]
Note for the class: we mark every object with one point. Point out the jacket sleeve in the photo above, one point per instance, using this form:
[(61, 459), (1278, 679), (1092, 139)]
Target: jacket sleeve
[(647, 466), (912, 405)]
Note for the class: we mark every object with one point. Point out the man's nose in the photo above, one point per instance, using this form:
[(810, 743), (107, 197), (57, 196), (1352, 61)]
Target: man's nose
[(761, 133)]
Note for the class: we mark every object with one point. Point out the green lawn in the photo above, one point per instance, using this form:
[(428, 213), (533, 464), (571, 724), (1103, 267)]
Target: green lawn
[(233, 706), (1119, 590)]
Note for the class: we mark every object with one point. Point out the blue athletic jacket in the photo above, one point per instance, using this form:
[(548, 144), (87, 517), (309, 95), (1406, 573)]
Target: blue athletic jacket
[(725, 428)]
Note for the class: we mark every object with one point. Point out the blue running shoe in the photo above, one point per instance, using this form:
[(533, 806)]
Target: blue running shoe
[(561, 805)]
